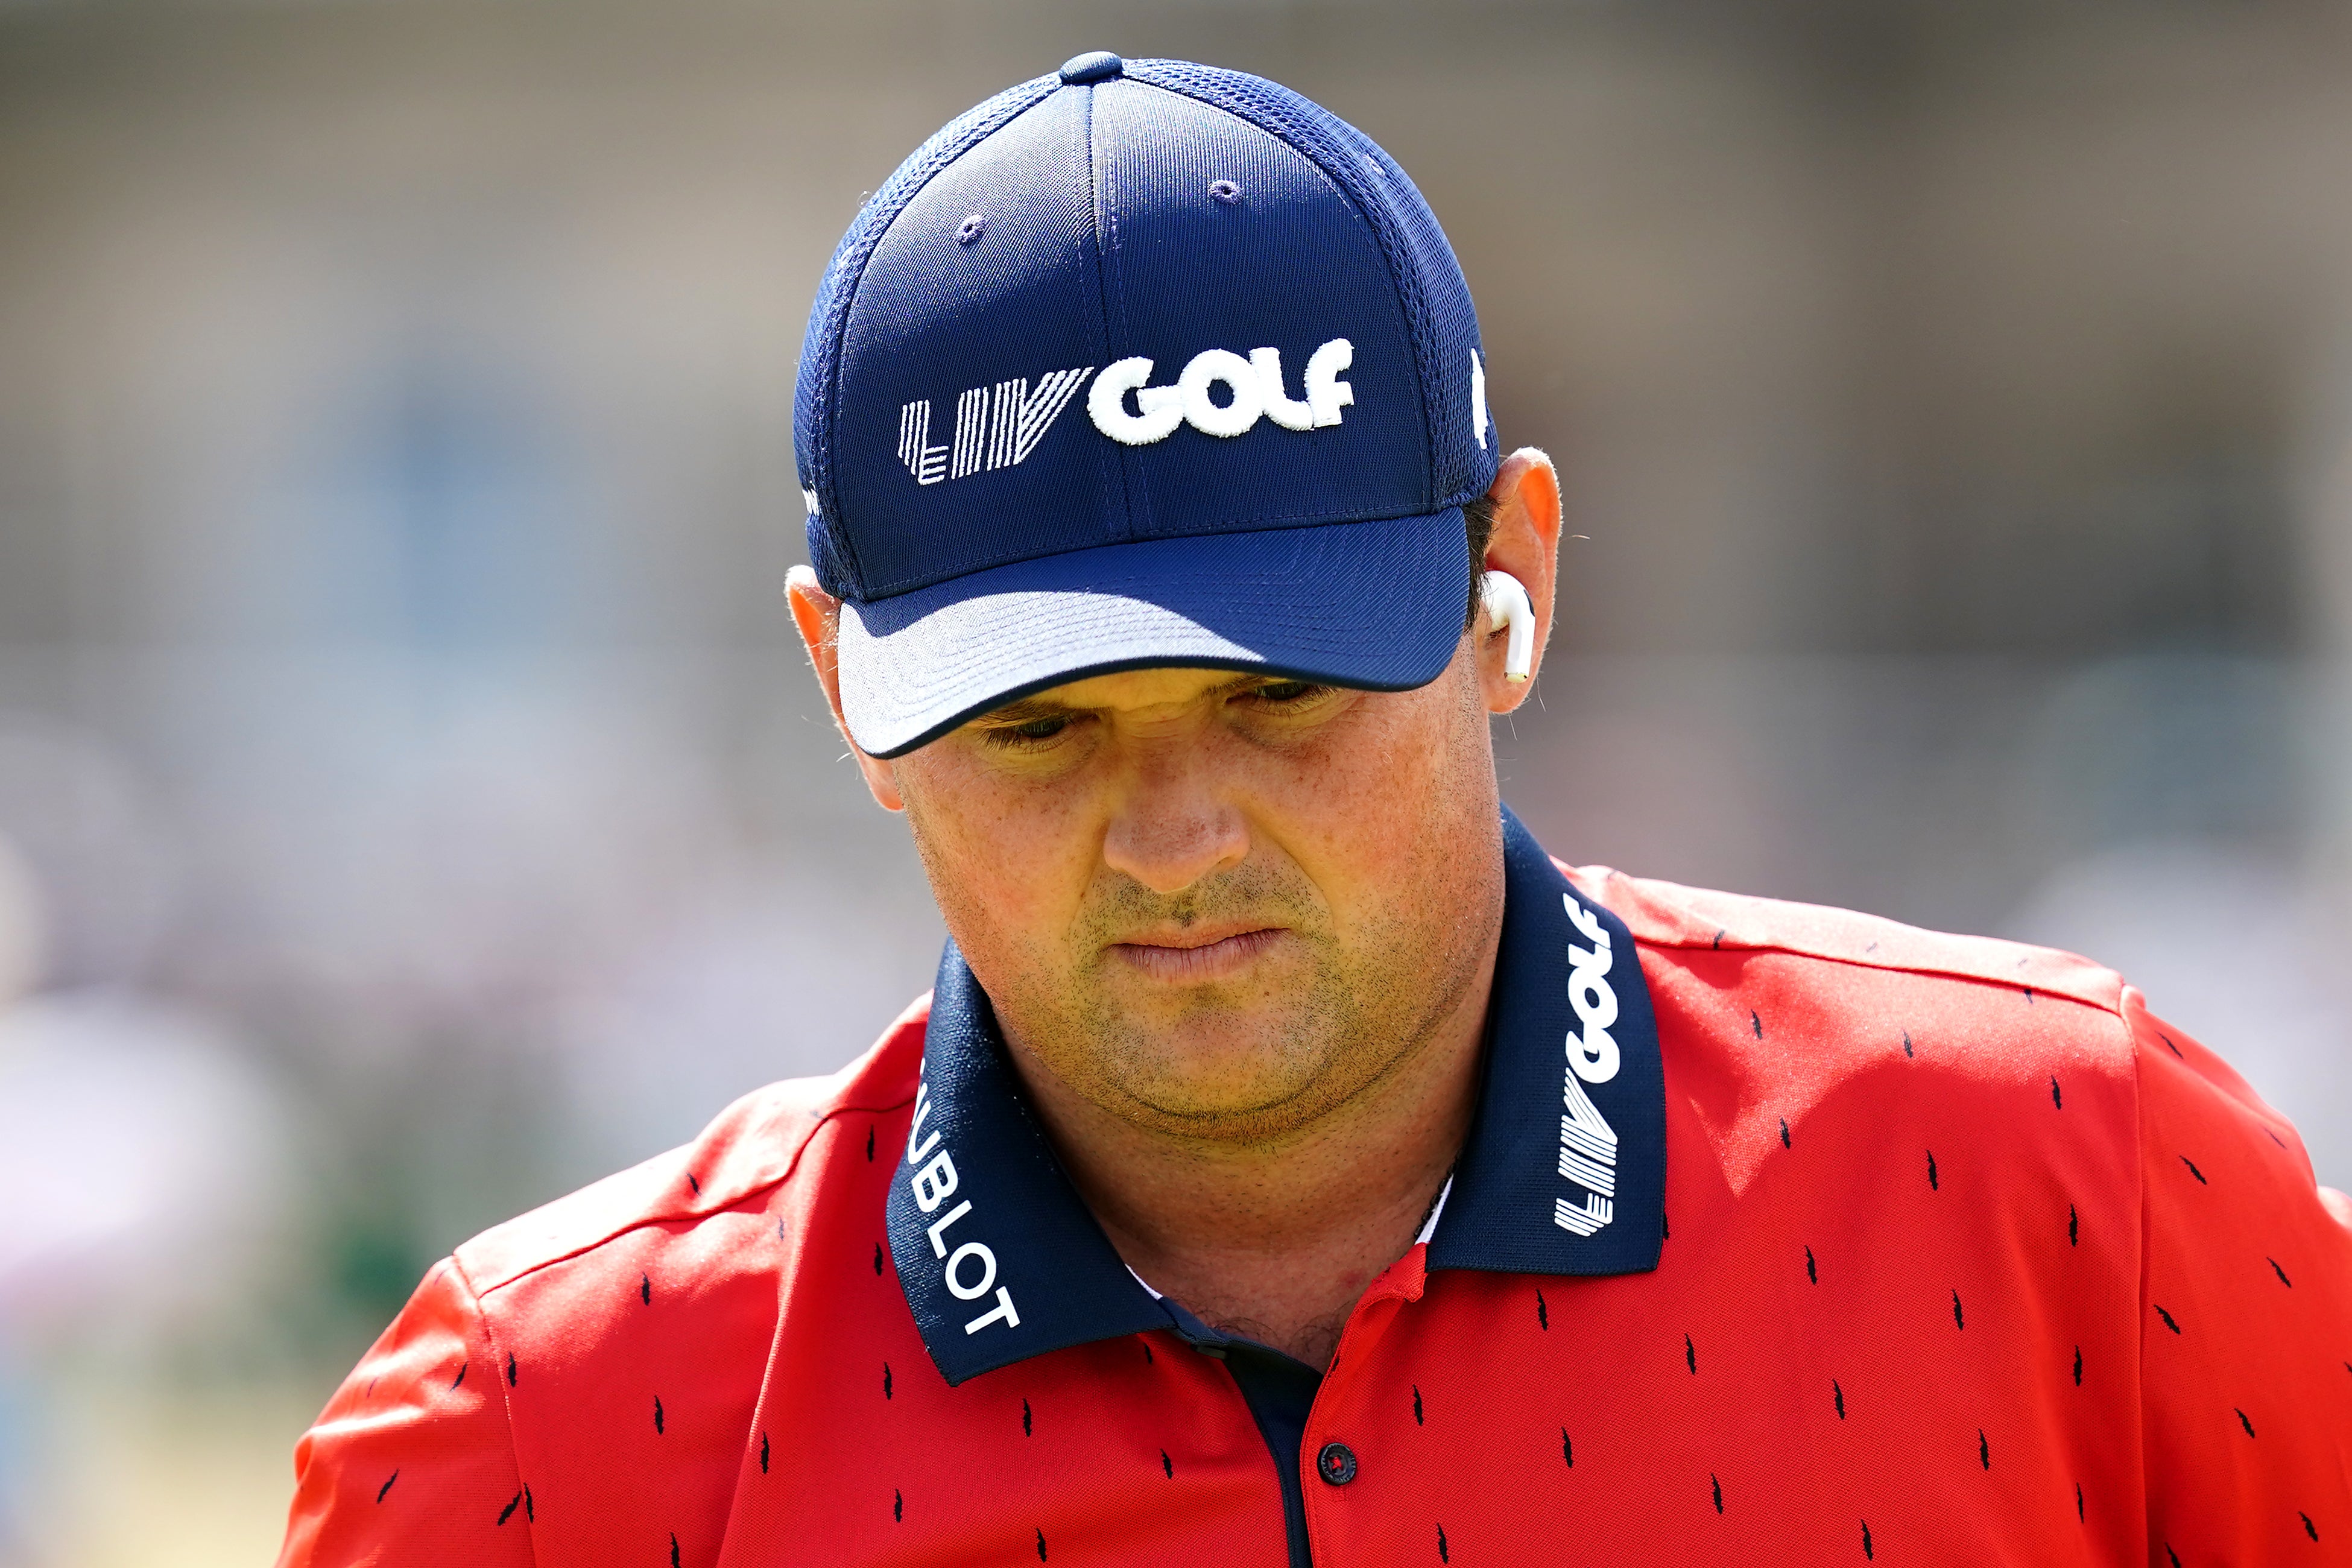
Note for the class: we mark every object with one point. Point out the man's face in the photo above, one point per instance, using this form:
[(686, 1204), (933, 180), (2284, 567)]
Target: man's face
[(1212, 904)]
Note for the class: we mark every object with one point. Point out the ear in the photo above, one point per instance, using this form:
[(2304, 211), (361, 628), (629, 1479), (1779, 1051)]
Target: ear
[(1525, 543), (817, 614)]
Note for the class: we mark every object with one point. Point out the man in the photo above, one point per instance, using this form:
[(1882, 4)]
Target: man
[(1294, 1163)]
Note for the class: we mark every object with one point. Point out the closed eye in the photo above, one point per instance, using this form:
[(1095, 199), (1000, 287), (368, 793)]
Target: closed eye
[(1285, 695), (1034, 730)]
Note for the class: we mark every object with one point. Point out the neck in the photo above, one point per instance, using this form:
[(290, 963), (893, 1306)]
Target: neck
[(1276, 1240)]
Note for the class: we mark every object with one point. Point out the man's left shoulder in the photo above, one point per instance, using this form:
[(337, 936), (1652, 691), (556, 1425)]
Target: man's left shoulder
[(1670, 916), (1806, 989)]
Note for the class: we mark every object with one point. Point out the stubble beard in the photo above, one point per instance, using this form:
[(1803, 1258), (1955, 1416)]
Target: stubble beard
[(1290, 1047)]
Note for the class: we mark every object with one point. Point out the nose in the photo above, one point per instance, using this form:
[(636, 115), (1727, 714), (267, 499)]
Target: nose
[(1171, 831)]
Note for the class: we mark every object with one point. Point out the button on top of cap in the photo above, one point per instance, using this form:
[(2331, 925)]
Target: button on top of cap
[(1101, 65)]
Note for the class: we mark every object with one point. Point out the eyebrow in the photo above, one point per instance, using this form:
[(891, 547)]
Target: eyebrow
[(1030, 709)]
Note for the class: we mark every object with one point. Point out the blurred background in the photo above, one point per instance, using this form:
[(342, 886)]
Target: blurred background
[(413, 803)]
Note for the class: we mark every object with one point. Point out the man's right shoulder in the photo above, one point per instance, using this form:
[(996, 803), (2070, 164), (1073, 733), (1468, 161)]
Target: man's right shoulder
[(756, 1145)]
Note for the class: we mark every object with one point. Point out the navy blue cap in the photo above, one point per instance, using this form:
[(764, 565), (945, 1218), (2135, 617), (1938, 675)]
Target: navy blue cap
[(1139, 364)]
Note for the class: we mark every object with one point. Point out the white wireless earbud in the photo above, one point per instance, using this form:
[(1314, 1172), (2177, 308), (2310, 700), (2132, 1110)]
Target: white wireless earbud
[(1507, 605)]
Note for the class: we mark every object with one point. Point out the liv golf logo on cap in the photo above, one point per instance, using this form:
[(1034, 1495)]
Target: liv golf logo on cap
[(999, 427), (995, 427), (1253, 390)]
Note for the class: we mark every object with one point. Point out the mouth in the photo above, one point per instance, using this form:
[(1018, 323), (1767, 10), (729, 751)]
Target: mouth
[(1204, 953)]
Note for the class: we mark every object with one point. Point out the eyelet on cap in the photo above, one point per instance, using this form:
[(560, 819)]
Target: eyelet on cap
[(1225, 191), (1100, 65), (972, 229)]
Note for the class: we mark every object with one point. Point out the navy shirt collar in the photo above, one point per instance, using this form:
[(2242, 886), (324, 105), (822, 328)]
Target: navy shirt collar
[(1563, 1173)]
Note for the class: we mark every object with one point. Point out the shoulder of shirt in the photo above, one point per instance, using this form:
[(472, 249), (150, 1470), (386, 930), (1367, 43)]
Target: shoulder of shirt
[(749, 1149), (1668, 916)]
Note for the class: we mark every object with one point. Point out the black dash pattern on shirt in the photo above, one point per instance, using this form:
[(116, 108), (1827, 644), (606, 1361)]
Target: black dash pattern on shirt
[(1984, 1450), (1041, 1545), (1442, 1554), (1690, 1355), (1566, 1449), (1166, 1466), (1027, 1430), (387, 1485), (1416, 1405), (2168, 1552), (1866, 1552), (897, 1505), (2309, 1528), (1543, 1317), (2176, 1051), (695, 1181), (1146, 1355), (2272, 1261), (1906, 1043), (2029, 994), (2195, 1171), (510, 1369), (459, 1381), (2078, 1502), (1934, 1186), (2078, 1366), (1812, 1273), (673, 1549), (1958, 1321), (1717, 1482), (885, 1380), (1837, 1397), (1719, 938), (1756, 1023), (513, 1503), (2074, 1227), (657, 1415), (877, 1260), (764, 1453), (530, 1509), (645, 1288), (1784, 1132), (2055, 1098), (2167, 1317), (870, 1145), (2244, 1422)]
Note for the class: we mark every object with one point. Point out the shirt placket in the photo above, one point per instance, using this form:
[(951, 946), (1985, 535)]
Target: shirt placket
[(1351, 1457)]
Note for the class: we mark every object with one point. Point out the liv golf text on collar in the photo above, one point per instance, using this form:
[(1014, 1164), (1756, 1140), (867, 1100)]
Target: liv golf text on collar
[(971, 1270), (1588, 1144)]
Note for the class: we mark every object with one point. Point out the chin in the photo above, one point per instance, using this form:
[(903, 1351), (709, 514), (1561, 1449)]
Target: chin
[(1193, 1072)]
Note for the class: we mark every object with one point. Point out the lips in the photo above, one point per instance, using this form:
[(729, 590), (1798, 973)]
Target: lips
[(1199, 953)]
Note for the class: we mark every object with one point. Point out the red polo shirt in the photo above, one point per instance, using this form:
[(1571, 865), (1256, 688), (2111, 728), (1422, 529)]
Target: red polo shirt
[(1823, 1240)]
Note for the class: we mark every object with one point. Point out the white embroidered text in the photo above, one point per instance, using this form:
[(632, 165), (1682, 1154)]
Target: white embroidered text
[(1588, 1144)]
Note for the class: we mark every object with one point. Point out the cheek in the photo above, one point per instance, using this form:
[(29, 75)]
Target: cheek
[(1008, 859), (1382, 815)]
